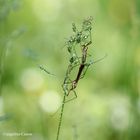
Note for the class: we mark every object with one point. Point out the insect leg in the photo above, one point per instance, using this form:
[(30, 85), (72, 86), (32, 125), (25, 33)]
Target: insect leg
[(75, 96)]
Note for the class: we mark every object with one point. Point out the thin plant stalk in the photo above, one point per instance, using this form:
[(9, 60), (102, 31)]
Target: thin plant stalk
[(82, 38), (61, 116)]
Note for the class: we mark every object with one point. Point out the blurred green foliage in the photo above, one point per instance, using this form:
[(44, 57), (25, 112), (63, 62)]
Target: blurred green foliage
[(34, 33)]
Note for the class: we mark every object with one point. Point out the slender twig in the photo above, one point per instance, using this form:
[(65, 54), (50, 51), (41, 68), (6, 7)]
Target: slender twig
[(84, 41)]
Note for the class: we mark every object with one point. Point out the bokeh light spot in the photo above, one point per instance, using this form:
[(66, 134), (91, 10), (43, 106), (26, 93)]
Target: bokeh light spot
[(50, 101), (46, 10), (31, 80)]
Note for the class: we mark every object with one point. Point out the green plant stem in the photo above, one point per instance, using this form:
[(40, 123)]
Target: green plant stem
[(73, 62), (2, 62), (61, 116)]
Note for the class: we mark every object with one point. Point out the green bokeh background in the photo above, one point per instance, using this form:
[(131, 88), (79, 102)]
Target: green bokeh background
[(34, 33)]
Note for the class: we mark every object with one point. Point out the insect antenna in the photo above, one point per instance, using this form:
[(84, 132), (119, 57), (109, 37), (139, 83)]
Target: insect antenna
[(46, 71)]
